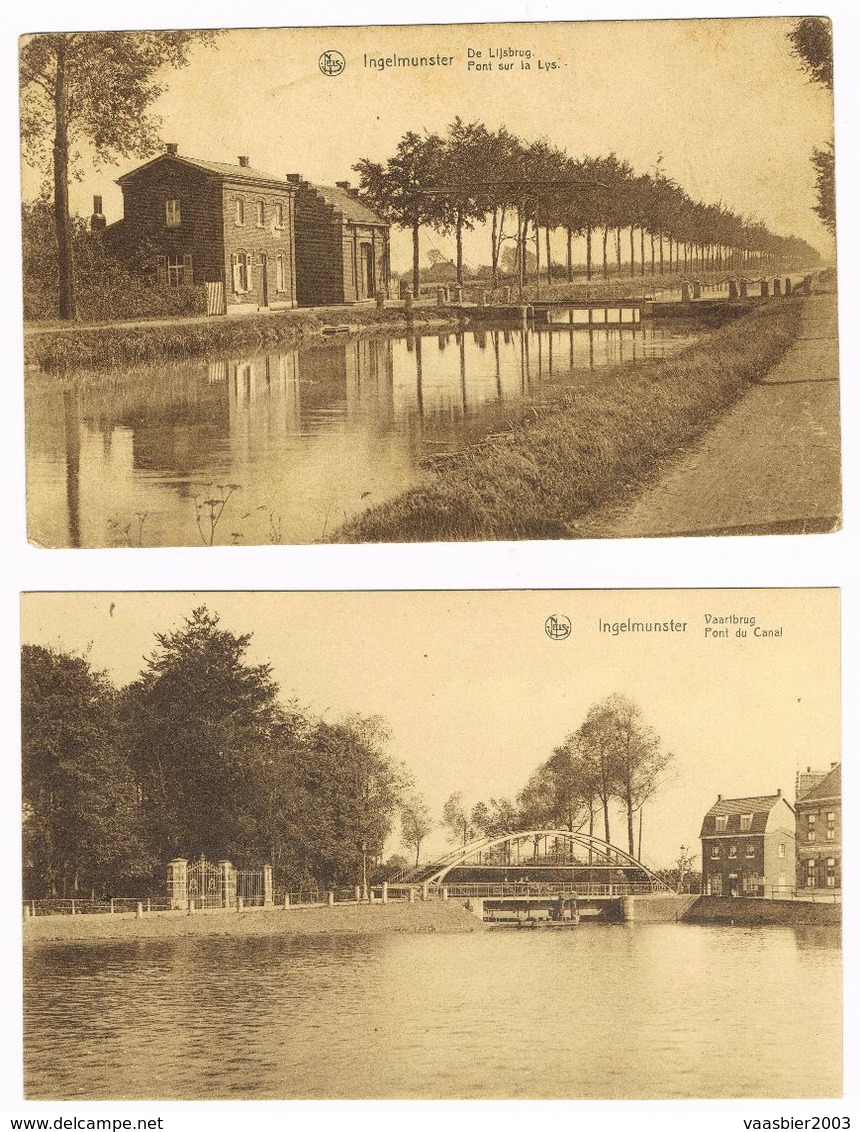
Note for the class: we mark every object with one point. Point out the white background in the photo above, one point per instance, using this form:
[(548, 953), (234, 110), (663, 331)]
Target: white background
[(761, 561)]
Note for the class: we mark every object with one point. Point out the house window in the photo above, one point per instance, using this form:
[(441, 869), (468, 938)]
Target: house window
[(280, 276), (733, 852), (810, 874), (173, 213), (261, 214), (715, 852), (279, 215), (721, 823), (716, 884), (242, 272), (750, 851), (830, 835), (178, 269), (830, 879), (746, 822), (240, 211), (781, 852)]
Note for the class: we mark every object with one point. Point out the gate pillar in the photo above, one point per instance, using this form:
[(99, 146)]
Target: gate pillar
[(177, 883), (267, 886), (227, 884)]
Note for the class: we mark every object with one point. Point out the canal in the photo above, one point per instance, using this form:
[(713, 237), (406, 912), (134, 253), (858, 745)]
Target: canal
[(601, 1011), (285, 446)]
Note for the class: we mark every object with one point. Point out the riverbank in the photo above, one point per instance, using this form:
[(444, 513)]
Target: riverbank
[(342, 919), (601, 439), (60, 348), (755, 912)]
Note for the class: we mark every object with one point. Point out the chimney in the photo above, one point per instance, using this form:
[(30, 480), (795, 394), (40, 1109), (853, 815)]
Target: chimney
[(809, 770), (343, 185), (832, 765), (244, 162), (172, 149), (97, 220), (719, 797), (295, 178), (779, 791)]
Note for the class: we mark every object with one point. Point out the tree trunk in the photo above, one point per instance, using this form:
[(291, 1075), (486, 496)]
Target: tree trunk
[(605, 259), (652, 252), (62, 223), (588, 257), (569, 256), (459, 248), (617, 251), (632, 250), (416, 269), (660, 239), (641, 249), (495, 250), (548, 259)]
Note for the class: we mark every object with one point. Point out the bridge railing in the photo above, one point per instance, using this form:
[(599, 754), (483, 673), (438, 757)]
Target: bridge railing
[(538, 889)]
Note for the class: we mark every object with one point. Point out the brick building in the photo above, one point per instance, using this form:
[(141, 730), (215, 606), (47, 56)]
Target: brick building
[(819, 835), (342, 249), (270, 240), (208, 222), (748, 847)]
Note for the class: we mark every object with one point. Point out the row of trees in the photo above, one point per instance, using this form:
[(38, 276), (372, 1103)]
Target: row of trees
[(613, 762), (200, 754), (526, 190)]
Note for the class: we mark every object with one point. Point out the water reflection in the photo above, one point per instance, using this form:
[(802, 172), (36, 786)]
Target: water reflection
[(665, 1010), (310, 435)]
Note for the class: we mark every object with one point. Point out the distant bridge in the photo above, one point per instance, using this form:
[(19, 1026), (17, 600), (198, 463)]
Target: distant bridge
[(545, 860)]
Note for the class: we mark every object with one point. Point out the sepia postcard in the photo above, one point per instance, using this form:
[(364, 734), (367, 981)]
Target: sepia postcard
[(430, 283), (432, 845)]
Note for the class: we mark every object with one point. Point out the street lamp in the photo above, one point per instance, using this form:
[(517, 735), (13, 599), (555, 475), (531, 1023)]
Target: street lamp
[(681, 864)]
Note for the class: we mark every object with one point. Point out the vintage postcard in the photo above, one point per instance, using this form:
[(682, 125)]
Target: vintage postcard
[(433, 845), (452, 282)]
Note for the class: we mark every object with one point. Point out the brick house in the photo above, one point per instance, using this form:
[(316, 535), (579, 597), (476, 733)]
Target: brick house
[(209, 222), (819, 835), (342, 246), (748, 847)]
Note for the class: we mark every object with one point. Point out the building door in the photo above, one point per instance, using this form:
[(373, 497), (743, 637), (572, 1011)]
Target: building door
[(264, 280), (367, 273)]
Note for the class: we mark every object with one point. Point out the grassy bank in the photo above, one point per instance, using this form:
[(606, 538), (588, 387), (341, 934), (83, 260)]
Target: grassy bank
[(745, 910), (61, 348), (342, 919), (597, 441)]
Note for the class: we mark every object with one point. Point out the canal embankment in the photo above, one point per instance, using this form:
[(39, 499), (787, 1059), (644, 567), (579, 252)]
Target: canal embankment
[(59, 348), (340, 919), (598, 442), (771, 464), (748, 910)]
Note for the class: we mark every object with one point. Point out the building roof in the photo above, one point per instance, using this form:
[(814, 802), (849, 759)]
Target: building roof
[(829, 787), (760, 806), (219, 168), (344, 202)]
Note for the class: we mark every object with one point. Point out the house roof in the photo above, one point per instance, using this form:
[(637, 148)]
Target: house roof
[(219, 168), (759, 806), (348, 205), (829, 787)]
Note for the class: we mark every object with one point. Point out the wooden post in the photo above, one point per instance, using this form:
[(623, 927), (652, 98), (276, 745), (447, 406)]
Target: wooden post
[(411, 895), (358, 894), (331, 899), (385, 892), (267, 886), (777, 286), (686, 295), (286, 899), (177, 882), (425, 891), (743, 289), (733, 288), (139, 913), (787, 285)]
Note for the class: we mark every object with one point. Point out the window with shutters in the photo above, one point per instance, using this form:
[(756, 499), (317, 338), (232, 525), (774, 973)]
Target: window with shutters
[(746, 822), (721, 821), (750, 851), (173, 213)]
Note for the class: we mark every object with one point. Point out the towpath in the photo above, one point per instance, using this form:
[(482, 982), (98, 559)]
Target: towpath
[(771, 465)]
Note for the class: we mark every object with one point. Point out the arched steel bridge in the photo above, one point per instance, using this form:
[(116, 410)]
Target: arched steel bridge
[(601, 856)]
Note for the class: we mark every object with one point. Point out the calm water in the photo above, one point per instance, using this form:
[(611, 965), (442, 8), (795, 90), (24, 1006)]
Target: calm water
[(603, 1011), (310, 436)]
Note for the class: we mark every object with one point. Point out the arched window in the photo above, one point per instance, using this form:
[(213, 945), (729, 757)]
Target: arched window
[(240, 211)]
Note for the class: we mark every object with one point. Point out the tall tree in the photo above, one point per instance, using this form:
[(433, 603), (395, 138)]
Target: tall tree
[(396, 190), (640, 758), (95, 90), (82, 827), (811, 42), (199, 720), (415, 823), (455, 818)]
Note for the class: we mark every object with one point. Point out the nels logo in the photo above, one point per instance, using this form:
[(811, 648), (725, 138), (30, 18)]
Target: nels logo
[(332, 63), (558, 627)]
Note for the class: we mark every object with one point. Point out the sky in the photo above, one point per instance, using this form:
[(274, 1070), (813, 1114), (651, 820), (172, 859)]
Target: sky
[(724, 103), (478, 695)]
